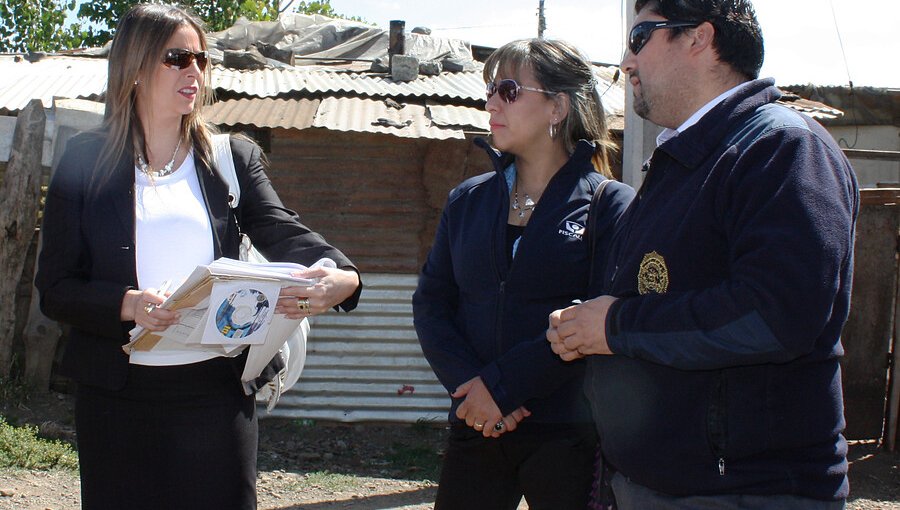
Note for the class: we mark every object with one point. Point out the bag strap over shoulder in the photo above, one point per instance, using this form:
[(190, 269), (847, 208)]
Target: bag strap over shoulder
[(592, 222), (224, 162)]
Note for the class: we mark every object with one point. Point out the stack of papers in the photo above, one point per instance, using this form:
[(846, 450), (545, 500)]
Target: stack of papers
[(226, 306)]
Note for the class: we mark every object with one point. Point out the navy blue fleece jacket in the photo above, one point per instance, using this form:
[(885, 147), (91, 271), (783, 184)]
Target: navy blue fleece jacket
[(478, 315), (733, 267)]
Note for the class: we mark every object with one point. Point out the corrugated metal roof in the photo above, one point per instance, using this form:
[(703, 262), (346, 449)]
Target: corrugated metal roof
[(351, 114), (273, 82), (812, 108), (445, 115), (270, 113), (85, 77), (71, 77), (370, 116), (367, 365)]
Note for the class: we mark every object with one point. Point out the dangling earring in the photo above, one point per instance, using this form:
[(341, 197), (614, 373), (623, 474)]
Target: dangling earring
[(552, 129)]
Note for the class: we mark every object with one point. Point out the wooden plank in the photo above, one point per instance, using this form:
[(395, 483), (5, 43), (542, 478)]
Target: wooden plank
[(7, 128), (20, 195), (875, 155), (867, 334)]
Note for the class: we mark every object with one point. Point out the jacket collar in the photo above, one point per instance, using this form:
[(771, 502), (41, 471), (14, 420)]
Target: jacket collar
[(502, 160), (696, 143), (122, 178), (215, 194)]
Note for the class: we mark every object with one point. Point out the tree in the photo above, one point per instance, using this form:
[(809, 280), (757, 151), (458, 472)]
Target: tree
[(37, 25), (324, 8), (218, 14)]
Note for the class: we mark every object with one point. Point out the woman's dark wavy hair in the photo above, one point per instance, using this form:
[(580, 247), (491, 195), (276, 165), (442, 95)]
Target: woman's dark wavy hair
[(738, 40)]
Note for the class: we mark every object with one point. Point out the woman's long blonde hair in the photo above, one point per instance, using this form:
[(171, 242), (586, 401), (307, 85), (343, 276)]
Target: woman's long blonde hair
[(561, 68), (137, 49)]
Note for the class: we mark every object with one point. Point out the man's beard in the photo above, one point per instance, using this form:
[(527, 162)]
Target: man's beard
[(641, 107)]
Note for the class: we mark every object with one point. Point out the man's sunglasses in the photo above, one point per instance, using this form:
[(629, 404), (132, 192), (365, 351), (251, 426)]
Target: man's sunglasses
[(509, 90), (641, 32), (182, 58)]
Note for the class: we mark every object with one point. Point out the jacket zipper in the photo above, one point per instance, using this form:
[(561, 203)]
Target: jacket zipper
[(636, 204), (718, 422)]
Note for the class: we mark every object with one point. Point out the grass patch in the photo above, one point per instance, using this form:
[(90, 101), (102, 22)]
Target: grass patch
[(421, 460), (20, 447), (329, 481)]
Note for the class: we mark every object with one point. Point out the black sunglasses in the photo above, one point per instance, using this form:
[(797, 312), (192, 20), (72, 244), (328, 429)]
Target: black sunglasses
[(641, 32), (182, 58), (509, 90)]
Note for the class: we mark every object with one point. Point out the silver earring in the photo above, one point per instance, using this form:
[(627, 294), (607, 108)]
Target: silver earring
[(136, 82)]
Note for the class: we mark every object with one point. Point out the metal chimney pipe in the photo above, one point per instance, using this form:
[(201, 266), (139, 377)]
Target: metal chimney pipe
[(397, 41)]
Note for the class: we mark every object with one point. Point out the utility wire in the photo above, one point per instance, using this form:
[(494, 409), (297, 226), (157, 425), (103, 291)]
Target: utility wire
[(837, 30)]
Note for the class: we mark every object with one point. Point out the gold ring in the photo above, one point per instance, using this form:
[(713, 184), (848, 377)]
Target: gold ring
[(479, 426), (149, 308), (303, 304)]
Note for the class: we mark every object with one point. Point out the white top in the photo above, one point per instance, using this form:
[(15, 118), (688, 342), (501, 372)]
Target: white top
[(173, 235), (668, 134)]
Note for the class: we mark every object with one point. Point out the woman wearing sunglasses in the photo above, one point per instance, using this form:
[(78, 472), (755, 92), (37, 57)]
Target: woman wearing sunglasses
[(136, 203), (511, 245)]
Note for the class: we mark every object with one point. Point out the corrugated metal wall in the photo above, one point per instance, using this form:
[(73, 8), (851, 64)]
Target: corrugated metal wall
[(367, 365)]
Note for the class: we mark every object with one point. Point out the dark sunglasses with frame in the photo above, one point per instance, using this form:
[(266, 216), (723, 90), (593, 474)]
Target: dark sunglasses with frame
[(641, 32), (182, 58), (509, 90)]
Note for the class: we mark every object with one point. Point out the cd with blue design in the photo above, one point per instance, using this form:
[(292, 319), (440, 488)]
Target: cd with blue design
[(242, 313)]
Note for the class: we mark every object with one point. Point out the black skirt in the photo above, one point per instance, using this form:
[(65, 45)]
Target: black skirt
[(176, 437)]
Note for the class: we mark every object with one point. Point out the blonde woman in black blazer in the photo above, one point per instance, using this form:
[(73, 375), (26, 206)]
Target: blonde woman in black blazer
[(156, 435)]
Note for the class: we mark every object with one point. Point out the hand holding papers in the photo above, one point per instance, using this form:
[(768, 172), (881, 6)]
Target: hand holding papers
[(225, 306)]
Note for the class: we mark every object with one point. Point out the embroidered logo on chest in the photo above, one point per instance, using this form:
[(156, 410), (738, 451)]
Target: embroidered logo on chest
[(653, 275), (572, 229)]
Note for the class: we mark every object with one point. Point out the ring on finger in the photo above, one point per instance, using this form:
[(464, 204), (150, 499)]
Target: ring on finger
[(149, 308), (303, 305), (479, 426), (500, 425)]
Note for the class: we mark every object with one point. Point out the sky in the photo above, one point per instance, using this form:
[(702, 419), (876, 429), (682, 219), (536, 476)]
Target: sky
[(802, 43)]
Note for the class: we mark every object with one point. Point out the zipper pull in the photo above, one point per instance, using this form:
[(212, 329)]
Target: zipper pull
[(721, 466)]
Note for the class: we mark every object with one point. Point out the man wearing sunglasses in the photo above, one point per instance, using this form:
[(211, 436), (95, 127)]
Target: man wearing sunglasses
[(713, 360)]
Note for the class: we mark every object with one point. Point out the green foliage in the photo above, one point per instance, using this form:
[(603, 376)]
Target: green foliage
[(37, 25), (20, 447), (218, 14), (327, 480), (325, 9)]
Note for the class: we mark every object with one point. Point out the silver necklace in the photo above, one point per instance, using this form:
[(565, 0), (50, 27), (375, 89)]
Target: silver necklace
[(529, 204), (162, 172)]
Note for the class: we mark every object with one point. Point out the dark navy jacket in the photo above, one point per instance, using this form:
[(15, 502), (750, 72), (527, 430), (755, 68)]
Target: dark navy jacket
[(477, 315), (733, 267)]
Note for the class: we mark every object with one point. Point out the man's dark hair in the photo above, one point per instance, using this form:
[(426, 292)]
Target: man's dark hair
[(738, 40)]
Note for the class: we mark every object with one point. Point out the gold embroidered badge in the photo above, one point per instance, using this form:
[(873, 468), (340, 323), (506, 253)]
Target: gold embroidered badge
[(653, 275)]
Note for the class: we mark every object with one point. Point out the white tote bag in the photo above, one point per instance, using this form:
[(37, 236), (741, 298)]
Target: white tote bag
[(293, 352)]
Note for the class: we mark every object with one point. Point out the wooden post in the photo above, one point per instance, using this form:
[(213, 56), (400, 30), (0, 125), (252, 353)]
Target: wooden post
[(41, 334), (20, 195)]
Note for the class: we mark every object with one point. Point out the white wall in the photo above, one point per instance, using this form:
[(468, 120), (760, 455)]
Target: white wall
[(884, 138)]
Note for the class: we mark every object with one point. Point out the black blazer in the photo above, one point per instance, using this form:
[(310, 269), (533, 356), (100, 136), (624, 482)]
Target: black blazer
[(87, 261)]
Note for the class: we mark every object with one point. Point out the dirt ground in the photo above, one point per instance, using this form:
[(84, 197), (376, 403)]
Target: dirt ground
[(315, 466)]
